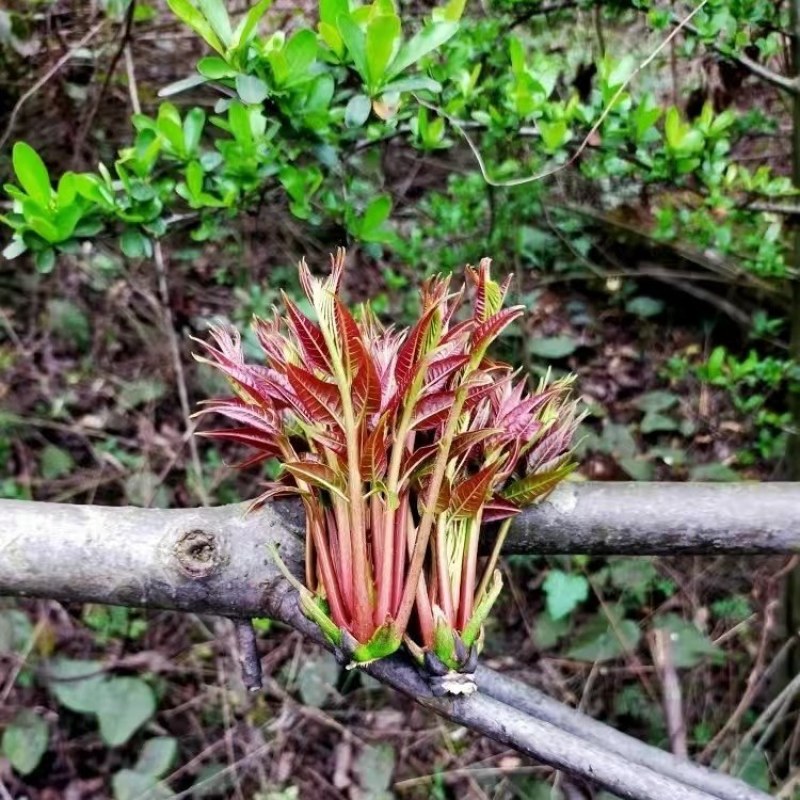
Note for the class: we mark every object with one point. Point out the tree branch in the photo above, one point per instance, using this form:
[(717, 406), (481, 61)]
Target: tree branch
[(135, 556), (789, 85), (214, 560)]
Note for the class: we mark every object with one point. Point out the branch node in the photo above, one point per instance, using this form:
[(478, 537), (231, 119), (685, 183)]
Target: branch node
[(197, 554)]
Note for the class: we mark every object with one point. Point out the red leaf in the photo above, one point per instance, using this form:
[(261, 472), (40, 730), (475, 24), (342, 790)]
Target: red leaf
[(319, 475), (468, 497), (489, 330), (309, 337), (366, 384), (375, 453), (409, 352), (421, 459), (230, 361), (251, 415), (246, 436), (441, 369), (498, 509), (432, 410), (319, 400), (367, 388), (351, 344)]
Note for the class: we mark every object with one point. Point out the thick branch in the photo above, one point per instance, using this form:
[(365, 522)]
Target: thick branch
[(662, 519), (215, 560), (139, 556)]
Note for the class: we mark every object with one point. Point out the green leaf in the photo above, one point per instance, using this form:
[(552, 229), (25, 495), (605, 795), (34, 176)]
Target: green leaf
[(375, 214), (251, 89), (76, 683), (45, 260), (217, 16), (428, 39), (599, 640), (133, 243), (140, 391), (713, 472), (44, 227), (300, 53), (382, 33), (657, 400), (565, 592), (55, 462), (637, 468), (69, 322), (331, 10), (413, 83), (375, 767), (122, 706), (689, 645), (554, 134), (753, 767), (451, 11), (188, 14), (547, 631), (644, 306), (617, 72), (157, 756), (15, 631), (357, 111), (129, 784), (193, 124), (32, 173), (183, 85), (25, 741), (318, 475), (553, 347), (617, 440), (530, 488), (655, 422), (317, 679), (355, 42), (214, 68), (248, 24), (16, 247)]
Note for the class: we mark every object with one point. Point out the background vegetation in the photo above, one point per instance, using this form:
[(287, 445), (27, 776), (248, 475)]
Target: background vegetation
[(636, 178)]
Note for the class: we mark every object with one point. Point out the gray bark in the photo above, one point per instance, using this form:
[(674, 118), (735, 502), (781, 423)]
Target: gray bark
[(661, 519), (215, 561)]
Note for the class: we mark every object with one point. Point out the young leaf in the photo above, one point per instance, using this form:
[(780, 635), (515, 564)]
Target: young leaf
[(330, 10), (533, 487), (300, 53), (432, 410), (217, 17), (318, 475), (355, 42), (319, 400), (32, 173), (382, 33), (188, 14), (192, 130), (428, 39), (246, 28), (375, 214), (251, 89), (487, 331), (469, 496)]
